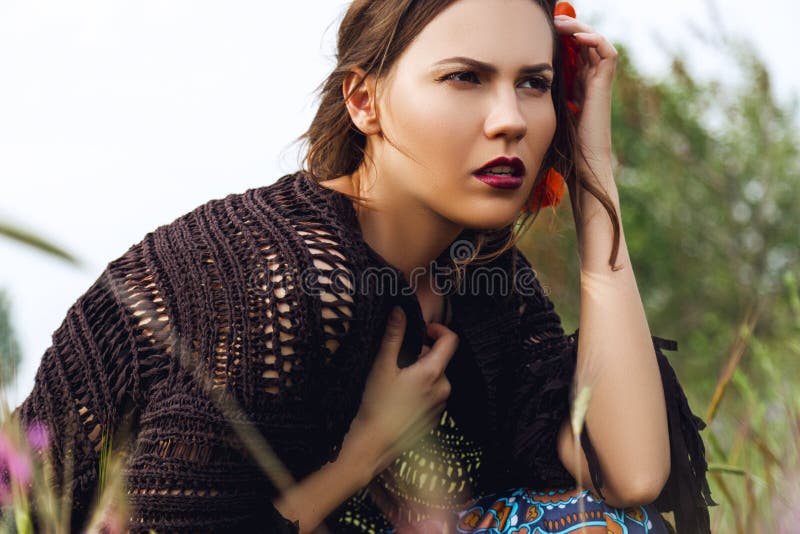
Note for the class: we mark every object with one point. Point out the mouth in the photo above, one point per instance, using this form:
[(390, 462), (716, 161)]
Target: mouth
[(503, 172)]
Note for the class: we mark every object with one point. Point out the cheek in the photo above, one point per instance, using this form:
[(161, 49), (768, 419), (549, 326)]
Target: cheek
[(542, 128), (428, 123)]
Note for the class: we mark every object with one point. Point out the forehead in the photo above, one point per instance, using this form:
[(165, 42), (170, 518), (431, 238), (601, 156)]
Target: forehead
[(506, 33)]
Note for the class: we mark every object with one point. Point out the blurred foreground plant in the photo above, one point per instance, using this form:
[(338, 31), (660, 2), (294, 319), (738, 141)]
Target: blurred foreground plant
[(28, 501)]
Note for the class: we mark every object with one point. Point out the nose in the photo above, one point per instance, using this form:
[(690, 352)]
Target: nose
[(504, 118)]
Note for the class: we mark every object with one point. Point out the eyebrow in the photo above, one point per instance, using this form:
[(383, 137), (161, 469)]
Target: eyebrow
[(491, 69)]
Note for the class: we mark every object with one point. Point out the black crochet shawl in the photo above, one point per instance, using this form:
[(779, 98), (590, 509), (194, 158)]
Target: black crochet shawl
[(253, 301)]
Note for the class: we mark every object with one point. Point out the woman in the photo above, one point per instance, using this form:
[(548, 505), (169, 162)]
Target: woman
[(265, 314)]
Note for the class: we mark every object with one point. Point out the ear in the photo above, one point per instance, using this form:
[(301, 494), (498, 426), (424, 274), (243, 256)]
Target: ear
[(361, 104)]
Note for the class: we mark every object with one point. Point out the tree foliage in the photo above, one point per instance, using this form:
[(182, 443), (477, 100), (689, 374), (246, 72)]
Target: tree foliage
[(9, 348)]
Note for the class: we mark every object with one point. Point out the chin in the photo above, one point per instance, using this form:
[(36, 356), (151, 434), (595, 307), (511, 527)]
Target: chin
[(495, 221)]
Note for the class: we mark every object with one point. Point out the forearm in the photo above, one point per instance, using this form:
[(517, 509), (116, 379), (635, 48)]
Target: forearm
[(311, 500), (616, 359)]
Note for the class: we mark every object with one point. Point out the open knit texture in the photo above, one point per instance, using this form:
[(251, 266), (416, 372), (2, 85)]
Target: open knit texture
[(258, 301)]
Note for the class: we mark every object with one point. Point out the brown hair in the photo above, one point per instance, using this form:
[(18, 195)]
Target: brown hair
[(372, 35)]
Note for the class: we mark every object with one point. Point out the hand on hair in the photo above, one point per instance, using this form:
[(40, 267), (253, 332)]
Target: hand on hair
[(593, 80)]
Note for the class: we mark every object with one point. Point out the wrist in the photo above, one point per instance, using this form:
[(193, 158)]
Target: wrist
[(360, 453)]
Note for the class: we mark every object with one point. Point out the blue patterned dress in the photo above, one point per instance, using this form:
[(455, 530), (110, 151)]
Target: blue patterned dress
[(525, 511), (556, 511)]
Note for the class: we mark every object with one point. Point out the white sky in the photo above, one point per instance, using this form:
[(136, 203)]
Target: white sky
[(118, 116)]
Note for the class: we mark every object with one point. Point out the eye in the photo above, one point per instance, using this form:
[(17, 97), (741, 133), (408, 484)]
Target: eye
[(540, 83), (459, 76)]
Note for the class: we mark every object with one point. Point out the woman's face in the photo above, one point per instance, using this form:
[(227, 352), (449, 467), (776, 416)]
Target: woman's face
[(451, 118)]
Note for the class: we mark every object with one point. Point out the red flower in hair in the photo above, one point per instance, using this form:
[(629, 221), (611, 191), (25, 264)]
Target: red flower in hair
[(564, 8), (548, 191)]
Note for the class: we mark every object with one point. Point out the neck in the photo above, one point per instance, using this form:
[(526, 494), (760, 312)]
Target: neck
[(406, 233)]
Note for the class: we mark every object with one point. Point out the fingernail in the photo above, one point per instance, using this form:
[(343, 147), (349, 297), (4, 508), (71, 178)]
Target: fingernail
[(396, 316)]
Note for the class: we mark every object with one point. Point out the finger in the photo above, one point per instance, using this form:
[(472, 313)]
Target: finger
[(569, 25), (583, 51), (437, 330), (444, 388), (445, 345), (604, 49), (594, 57), (394, 332)]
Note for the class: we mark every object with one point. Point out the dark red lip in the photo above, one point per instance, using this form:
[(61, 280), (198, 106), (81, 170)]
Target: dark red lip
[(500, 182), (517, 167)]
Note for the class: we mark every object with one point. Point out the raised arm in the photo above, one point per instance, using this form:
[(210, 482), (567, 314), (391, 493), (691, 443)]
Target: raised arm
[(616, 359), (549, 375)]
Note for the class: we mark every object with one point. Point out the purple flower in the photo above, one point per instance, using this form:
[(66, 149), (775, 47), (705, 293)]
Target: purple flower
[(15, 466), (38, 436), (5, 476)]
